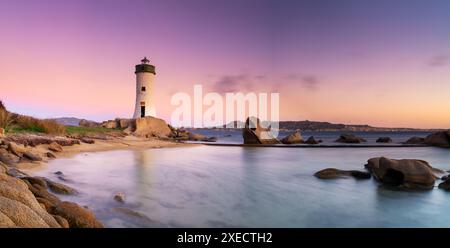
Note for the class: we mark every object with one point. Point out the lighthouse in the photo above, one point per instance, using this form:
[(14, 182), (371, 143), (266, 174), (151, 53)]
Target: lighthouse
[(145, 103)]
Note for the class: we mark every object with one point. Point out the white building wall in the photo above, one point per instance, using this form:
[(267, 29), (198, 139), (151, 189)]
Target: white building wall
[(144, 79)]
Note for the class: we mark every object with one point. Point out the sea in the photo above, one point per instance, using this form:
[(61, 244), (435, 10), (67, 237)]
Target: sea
[(234, 186)]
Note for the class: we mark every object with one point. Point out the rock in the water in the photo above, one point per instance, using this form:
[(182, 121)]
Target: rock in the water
[(36, 180), (350, 138), (152, 127), (120, 197), (445, 184), (384, 140), (76, 215), (254, 133), (441, 139), (60, 188), (312, 141), (405, 173), (210, 139), (87, 123), (332, 173), (31, 156), (59, 173), (415, 140), (294, 138), (55, 147)]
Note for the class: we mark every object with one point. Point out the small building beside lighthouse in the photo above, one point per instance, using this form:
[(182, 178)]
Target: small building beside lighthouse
[(145, 103)]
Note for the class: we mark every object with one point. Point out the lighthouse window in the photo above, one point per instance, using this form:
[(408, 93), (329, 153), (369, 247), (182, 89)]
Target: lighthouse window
[(143, 88)]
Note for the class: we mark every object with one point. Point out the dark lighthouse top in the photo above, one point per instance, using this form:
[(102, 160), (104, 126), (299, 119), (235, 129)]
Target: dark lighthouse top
[(145, 66)]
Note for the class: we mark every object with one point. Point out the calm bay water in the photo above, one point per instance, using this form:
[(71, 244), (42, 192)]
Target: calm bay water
[(208, 186)]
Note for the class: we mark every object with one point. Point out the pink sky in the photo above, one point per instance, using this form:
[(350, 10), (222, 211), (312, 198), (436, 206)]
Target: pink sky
[(329, 63)]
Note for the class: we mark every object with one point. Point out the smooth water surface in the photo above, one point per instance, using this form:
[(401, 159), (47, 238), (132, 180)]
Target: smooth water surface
[(208, 186)]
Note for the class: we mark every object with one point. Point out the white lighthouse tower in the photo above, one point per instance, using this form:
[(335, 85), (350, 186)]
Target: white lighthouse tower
[(145, 103)]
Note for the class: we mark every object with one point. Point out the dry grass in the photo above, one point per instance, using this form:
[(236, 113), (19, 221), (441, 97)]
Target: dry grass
[(21, 123)]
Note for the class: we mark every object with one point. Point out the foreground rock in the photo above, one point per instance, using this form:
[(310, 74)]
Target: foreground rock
[(34, 140), (415, 141), (332, 173), (76, 215), (441, 139), (405, 173), (152, 127), (294, 138), (253, 133), (349, 138), (384, 140)]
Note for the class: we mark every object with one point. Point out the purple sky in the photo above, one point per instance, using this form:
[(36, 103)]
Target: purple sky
[(384, 63)]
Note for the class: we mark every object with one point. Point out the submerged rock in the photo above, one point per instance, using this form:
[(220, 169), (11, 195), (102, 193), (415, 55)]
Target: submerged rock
[(332, 173), (294, 138), (384, 140), (405, 173), (350, 138), (120, 197)]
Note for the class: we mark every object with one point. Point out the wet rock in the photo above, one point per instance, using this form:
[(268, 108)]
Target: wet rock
[(36, 180), (254, 133), (76, 215), (350, 138), (210, 139), (119, 197), (445, 184), (404, 173), (16, 173), (415, 140), (312, 141), (60, 188), (332, 173), (31, 156), (59, 173), (294, 138), (55, 147), (384, 140), (40, 191)]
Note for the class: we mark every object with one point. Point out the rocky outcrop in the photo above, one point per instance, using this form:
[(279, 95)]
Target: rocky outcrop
[(405, 173), (415, 140), (350, 138), (332, 173), (384, 140), (152, 127), (87, 123), (19, 207), (76, 215), (312, 141), (124, 123), (253, 133), (294, 138), (441, 139), (111, 124)]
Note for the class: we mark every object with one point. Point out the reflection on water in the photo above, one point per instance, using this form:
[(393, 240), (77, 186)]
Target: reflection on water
[(248, 187)]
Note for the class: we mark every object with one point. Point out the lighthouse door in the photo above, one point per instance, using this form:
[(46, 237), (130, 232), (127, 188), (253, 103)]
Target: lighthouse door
[(142, 111)]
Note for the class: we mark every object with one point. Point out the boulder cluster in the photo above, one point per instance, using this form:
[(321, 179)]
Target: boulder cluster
[(401, 173)]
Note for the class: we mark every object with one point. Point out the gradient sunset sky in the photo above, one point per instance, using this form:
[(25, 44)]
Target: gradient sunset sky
[(382, 63)]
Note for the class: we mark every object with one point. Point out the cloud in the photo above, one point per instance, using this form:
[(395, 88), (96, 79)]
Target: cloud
[(439, 60), (234, 83), (308, 82)]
